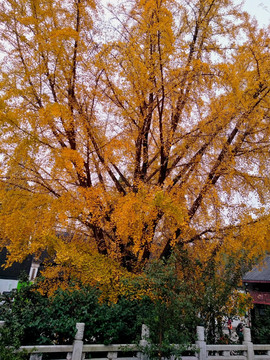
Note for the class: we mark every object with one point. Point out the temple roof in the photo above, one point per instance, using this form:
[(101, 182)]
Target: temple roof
[(260, 273)]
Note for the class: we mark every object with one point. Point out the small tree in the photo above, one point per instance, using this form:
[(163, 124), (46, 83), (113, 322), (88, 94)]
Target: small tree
[(214, 280), (173, 318)]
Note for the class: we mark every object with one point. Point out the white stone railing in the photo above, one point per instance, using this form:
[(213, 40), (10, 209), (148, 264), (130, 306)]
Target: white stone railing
[(202, 351), (245, 351), (79, 350)]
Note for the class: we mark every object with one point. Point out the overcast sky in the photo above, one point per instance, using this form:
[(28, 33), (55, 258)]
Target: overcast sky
[(260, 9)]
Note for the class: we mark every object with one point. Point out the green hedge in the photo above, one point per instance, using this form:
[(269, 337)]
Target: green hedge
[(38, 319)]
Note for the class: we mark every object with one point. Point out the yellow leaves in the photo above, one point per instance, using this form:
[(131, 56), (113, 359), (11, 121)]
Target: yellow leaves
[(55, 277), (158, 24), (72, 158), (28, 20), (56, 109), (131, 214), (64, 34), (149, 47), (22, 230), (76, 258), (135, 216), (94, 201), (251, 239), (172, 205), (239, 303), (52, 111), (161, 103)]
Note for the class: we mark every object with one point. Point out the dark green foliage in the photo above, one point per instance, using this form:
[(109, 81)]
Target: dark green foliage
[(9, 345), (118, 323), (261, 325), (40, 319)]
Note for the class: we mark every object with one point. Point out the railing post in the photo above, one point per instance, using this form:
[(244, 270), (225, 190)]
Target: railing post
[(78, 342), (35, 357), (144, 341), (112, 355), (248, 343), (2, 323), (201, 344)]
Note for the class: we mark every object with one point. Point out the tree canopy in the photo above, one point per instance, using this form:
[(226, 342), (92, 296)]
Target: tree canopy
[(133, 128)]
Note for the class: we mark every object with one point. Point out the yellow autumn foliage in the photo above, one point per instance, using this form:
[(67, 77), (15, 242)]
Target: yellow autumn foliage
[(134, 136)]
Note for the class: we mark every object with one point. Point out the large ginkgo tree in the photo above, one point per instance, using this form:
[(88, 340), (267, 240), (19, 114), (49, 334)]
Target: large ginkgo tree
[(131, 129)]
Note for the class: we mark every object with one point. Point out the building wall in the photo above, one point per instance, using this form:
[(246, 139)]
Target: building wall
[(7, 285)]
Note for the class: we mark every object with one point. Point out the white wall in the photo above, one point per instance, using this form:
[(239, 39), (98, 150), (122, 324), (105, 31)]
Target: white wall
[(7, 285)]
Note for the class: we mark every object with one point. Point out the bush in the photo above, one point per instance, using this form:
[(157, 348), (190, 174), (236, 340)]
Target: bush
[(38, 319)]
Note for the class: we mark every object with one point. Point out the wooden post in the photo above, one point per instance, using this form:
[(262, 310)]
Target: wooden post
[(248, 343), (78, 342), (201, 344)]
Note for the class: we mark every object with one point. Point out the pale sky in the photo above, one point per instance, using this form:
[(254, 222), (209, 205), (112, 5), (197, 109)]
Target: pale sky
[(260, 9)]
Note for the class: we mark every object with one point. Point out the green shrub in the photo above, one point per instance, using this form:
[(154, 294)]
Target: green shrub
[(39, 319), (9, 345)]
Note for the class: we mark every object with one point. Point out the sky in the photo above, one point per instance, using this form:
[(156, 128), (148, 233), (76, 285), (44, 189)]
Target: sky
[(260, 9)]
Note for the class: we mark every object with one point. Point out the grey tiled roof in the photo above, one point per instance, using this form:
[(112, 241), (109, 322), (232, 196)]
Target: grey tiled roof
[(259, 273)]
